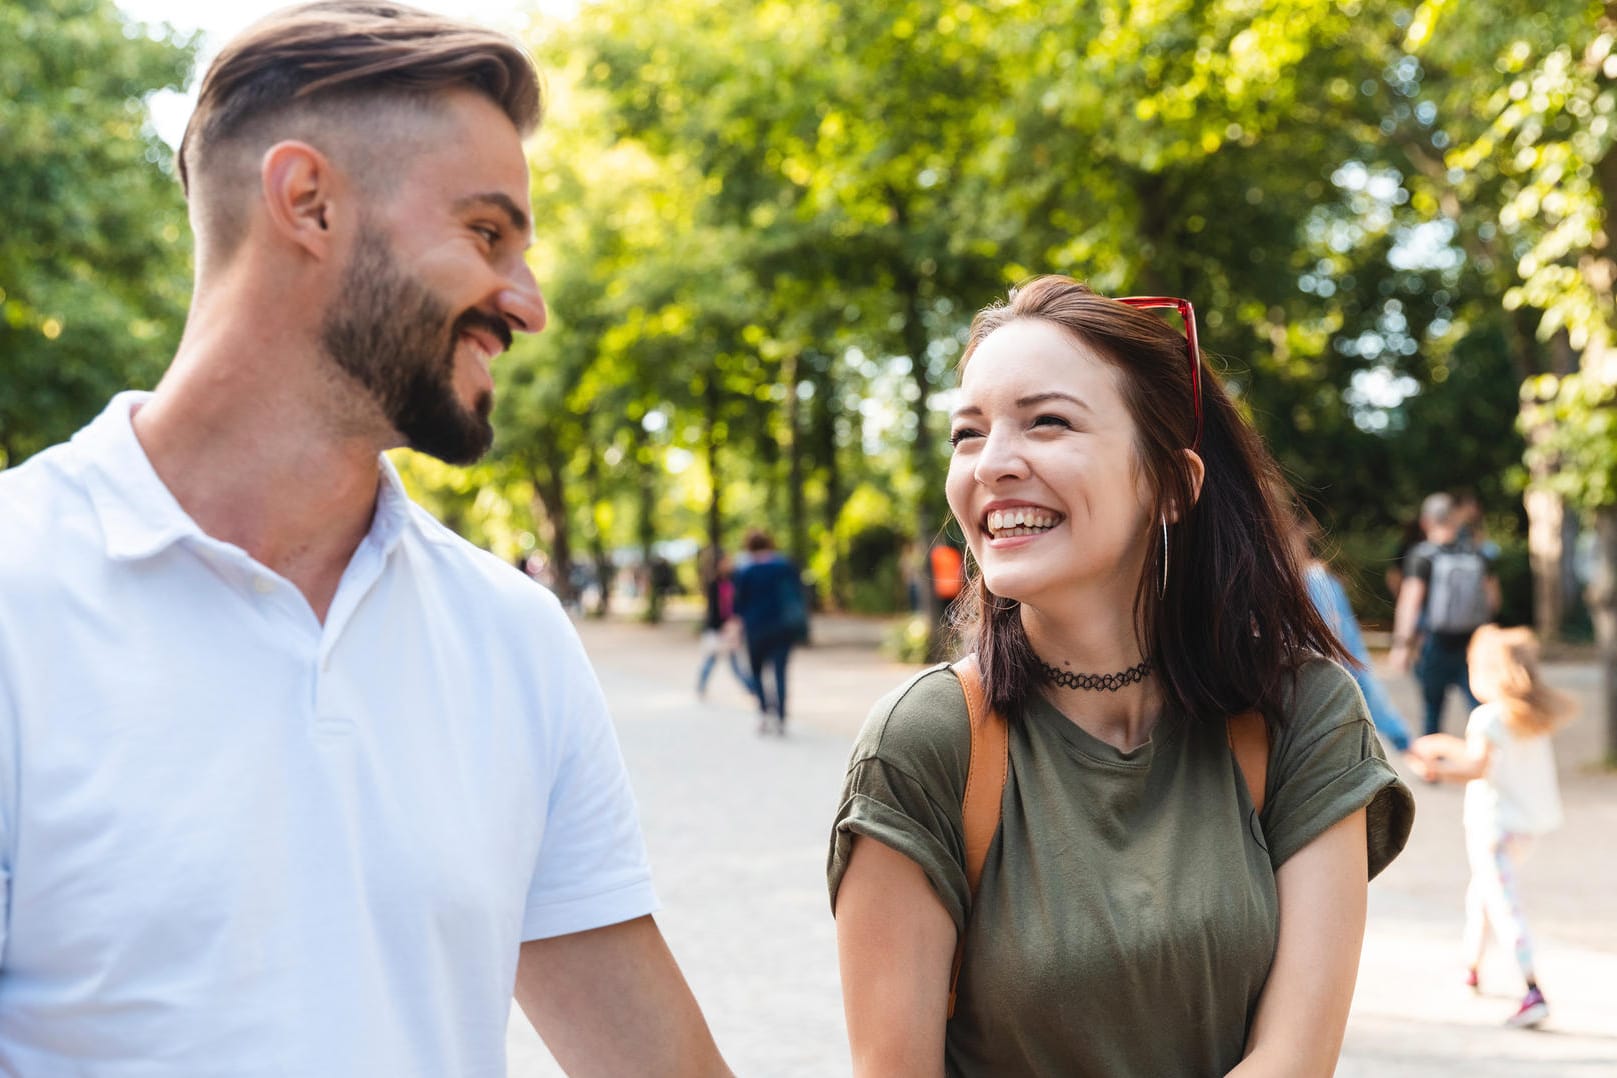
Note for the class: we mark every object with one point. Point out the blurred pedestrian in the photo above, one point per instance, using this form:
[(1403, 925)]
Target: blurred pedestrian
[(1448, 590), (721, 629), (1136, 603), (774, 616), (1330, 599), (1512, 795), (293, 780)]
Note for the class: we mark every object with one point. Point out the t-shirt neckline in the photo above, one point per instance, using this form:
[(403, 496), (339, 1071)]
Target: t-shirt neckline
[(1091, 748)]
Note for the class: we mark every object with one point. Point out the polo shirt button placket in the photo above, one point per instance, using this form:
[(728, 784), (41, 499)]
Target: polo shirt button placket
[(327, 725)]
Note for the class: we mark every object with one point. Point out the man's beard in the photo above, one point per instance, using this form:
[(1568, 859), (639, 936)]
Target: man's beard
[(393, 336)]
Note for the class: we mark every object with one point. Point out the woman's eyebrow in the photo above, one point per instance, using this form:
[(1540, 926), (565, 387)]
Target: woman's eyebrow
[(1052, 395), (1028, 402)]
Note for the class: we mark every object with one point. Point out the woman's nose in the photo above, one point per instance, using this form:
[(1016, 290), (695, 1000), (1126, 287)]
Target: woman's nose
[(1001, 457)]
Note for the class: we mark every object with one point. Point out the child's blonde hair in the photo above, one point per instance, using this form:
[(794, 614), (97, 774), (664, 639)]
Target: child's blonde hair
[(1504, 671)]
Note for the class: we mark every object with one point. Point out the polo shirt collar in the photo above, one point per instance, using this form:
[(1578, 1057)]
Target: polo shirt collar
[(393, 508), (140, 516)]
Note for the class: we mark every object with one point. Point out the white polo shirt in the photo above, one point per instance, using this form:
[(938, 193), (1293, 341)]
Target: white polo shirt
[(236, 842)]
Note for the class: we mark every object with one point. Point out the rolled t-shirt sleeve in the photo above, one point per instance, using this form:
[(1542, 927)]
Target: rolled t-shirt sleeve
[(904, 784), (1327, 764)]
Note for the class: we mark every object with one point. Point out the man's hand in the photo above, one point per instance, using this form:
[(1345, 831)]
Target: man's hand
[(612, 1001), (1406, 616)]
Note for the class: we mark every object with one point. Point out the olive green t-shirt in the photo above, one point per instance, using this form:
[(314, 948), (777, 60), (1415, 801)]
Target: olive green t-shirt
[(1127, 916)]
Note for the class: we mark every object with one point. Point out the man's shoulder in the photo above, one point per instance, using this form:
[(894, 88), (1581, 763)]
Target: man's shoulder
[(773, 567), (478, 575), (45, 511)]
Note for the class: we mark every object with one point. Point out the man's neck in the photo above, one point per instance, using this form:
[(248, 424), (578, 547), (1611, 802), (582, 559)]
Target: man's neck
[(255, 462)]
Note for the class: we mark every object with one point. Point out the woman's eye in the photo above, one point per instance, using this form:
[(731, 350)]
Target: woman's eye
[(488, 234), (961, 435), (1052, 421)]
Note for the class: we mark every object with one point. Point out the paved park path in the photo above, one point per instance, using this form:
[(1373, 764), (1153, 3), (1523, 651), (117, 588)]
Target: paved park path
[(737, 828)]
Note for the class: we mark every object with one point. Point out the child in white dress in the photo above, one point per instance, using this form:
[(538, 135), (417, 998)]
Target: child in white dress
[(1511, 793)]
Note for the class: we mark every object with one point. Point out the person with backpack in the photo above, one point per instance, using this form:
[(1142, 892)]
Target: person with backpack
[(769, 601), (1448, 591), (1131, 832)]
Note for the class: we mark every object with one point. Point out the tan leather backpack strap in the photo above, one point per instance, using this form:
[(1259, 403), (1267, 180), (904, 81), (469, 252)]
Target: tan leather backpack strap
[(985, 789), (1249, 741)]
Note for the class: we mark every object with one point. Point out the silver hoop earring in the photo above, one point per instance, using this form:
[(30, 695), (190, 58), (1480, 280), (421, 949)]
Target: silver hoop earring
[(1162, 589)]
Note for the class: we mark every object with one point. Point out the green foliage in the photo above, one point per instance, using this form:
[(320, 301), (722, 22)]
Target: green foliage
[(762, 229), (1535, 102), (906, 641), (872, 543), (93, 265), (1574, 420)]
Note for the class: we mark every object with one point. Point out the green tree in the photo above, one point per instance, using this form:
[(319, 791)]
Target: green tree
[(1535, 105), (93, 249)]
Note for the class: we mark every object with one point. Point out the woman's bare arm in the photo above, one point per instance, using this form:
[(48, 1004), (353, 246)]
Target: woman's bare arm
[(1302, 1014), (895, 943)]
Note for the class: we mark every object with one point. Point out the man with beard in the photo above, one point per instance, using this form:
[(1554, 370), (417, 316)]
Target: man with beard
[(293, 781)]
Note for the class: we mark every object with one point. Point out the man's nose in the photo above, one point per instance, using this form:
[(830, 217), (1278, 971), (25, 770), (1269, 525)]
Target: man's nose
[(520, 302)]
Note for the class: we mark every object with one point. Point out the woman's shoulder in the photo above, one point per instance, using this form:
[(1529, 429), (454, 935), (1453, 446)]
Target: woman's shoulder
[(921, 727), (1322, 697), (1328, 763)]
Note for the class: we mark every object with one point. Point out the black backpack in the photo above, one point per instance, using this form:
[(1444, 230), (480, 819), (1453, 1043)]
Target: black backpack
[(793, 605), (1456, 594)]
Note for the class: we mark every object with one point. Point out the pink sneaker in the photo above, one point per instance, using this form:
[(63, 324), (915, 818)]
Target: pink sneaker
[(1471, 978), (1533, 1011)]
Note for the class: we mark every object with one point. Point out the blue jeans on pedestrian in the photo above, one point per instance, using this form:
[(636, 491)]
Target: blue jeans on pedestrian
[(711, 660), (772, 650), (1441, 664)]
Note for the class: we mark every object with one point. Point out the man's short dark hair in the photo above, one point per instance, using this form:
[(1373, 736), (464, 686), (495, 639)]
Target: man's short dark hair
[(319, 63)]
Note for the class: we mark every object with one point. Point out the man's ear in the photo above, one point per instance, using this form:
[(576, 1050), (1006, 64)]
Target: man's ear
[(1198, 472), (300, 188)]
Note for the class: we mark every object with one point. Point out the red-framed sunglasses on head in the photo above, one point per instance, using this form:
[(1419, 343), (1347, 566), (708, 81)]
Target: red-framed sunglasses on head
[(1188, 313)]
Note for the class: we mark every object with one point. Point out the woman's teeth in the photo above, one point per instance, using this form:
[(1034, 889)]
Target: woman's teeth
[(1008, 523)]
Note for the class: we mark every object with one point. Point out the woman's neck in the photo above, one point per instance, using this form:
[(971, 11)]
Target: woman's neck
[(1103, 689)]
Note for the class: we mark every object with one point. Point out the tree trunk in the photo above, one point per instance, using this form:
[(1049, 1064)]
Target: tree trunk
[(550, 505), (824, 422), (917, 343), (1546, 517), (645, 467), (1550, 528), (598, 552), (1602, 599), (715, 501), (797, 510)]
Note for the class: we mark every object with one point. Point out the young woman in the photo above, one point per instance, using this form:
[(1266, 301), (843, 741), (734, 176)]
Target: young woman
[(1134, 590)]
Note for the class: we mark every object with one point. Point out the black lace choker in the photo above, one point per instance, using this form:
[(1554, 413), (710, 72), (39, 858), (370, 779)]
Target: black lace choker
[(1109, 682)]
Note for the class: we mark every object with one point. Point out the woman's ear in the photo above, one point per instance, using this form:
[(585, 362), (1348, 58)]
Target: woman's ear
[(1198, 472)]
